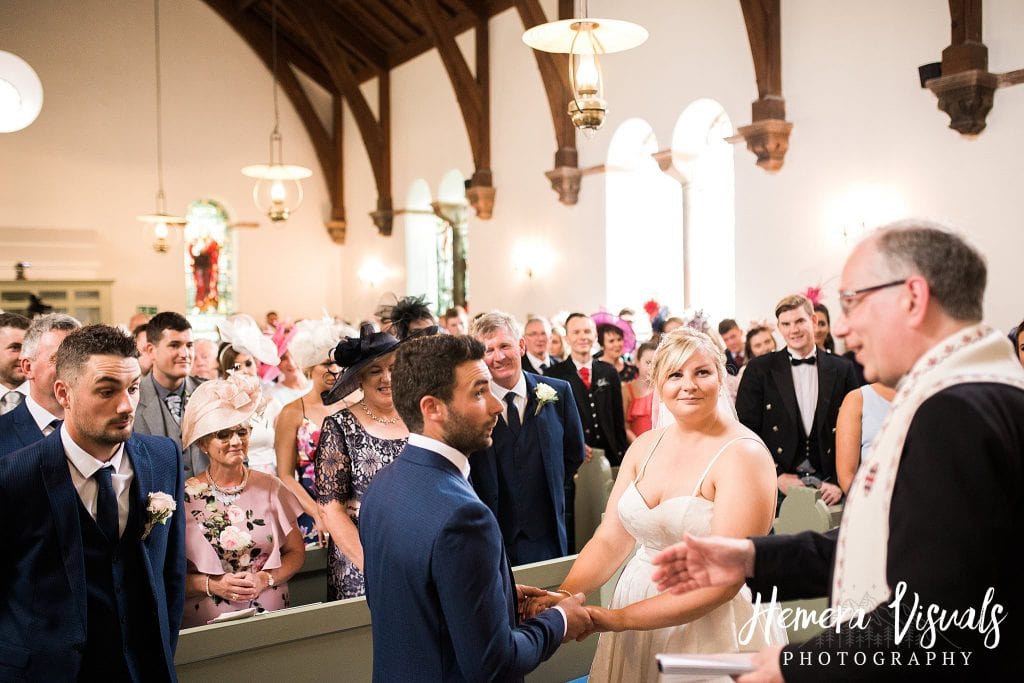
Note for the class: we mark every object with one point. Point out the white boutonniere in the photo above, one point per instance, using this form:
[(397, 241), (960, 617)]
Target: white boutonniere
[(159, 509), (602, 383), (545, 394)]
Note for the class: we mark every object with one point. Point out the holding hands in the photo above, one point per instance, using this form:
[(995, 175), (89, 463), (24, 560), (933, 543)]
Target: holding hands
[(533, 601)]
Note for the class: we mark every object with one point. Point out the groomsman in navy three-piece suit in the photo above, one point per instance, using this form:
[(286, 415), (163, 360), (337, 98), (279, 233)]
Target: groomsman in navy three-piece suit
[(537, 446), (440, 590), (93, 562)]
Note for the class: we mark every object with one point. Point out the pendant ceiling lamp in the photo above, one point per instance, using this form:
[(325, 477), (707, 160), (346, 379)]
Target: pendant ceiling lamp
[(21, 93), (278, 190), (583, 39), (161, 221)]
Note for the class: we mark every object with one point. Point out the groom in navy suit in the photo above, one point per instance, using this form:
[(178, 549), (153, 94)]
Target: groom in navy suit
[(538, 445), (92, 565), (438, 582)]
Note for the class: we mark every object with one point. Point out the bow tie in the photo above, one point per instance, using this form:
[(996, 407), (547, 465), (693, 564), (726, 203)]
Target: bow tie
[(810, 360)]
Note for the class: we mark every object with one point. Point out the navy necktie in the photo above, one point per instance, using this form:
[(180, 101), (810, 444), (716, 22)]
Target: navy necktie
[(513, 414), (106, 504)]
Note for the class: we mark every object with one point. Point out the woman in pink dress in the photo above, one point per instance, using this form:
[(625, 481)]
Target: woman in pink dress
[(242, 540), (638, 395)]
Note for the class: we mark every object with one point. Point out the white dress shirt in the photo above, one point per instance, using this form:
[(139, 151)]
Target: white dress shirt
[(83, 466), (43, 417), (456, 457), (462, 462), (538, 362), (519, 391), (805, 384)]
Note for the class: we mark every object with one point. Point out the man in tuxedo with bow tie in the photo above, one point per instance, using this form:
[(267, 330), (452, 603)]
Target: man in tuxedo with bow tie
[(791, 399), (537, 447), (438, 582), (93, 564), (40, 413)]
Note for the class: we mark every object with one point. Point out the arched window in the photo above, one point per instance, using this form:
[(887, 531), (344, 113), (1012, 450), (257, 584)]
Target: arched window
[(453, 241), (643, 223), (704, 159), (421, 230), (210, 260)]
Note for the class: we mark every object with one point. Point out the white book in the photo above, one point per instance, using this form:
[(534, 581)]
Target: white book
[(705, 665)]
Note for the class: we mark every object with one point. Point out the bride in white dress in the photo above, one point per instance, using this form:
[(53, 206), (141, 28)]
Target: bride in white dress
[(704, 473)]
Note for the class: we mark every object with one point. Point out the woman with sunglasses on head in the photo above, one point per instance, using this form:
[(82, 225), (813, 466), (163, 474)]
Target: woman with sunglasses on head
[(298, 425), (355, 444), (242, 541)]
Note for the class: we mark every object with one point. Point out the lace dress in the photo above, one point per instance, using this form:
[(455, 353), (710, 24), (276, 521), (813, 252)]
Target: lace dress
[(629, 655), (346, 461)]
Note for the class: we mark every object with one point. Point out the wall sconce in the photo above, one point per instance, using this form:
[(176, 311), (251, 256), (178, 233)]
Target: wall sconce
[(532, 258), (372, 273), (863, 208), (583, 39)]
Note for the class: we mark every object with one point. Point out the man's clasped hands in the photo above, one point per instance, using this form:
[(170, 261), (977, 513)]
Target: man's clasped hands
[(582, 620)]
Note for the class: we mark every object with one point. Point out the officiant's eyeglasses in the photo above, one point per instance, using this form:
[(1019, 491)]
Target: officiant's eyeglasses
[(849, 298), (226, 434)]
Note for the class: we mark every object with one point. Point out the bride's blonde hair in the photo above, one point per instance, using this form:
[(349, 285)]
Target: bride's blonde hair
[(677, 346)]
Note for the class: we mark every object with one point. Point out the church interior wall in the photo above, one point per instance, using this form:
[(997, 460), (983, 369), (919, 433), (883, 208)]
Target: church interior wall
[(868, 145)]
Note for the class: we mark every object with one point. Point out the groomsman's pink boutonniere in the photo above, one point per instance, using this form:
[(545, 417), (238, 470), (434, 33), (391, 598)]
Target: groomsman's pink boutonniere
[(545, 394), (159, 509)]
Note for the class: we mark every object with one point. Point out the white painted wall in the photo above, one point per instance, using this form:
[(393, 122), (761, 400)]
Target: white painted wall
[(849, 77)]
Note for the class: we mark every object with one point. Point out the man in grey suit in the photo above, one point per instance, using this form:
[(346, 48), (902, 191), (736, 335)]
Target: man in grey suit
[(164, 392)]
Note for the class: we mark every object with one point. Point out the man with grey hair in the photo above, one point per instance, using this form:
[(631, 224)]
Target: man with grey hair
[(536, 449), (537, 334), (40, 413), (923, 570)]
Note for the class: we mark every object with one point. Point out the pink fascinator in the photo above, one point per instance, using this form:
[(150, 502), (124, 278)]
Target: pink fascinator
[(282, 337), (814, 294), (242, 333), (220, 404), (628, 335)]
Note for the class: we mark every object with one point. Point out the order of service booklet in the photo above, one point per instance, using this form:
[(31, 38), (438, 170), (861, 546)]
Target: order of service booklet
[(705, 665)]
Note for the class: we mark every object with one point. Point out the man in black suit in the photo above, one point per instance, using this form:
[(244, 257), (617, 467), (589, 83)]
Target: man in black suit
[(40, 413), (597, 389), (537, 335), (732, 337), (537, 446), (791, 399), (938, 508)]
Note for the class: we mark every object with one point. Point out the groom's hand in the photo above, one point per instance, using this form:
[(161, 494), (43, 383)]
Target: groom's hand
[(526, 600), (577, 618)]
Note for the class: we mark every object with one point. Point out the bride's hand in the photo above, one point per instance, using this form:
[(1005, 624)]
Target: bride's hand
[(532, 606), (605, 619)]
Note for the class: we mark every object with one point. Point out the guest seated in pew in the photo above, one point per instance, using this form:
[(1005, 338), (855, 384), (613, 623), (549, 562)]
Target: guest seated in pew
[(355, 443), (860, 418), (242, 538)]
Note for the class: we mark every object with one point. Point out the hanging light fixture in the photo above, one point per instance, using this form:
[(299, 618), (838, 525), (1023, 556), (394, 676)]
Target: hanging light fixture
[(160, 220), (583, 39), (278, 190)]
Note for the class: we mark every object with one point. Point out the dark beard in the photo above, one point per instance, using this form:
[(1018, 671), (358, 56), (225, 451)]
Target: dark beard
[(463, 438)]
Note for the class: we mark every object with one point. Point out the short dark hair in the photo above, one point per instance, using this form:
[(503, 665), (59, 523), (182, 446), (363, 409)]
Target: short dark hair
[(573, 316), (650, 345), (425, 366), (92, 340), (604, 329), (140, 329), (18, 322), (727, 325), (166, 320), (955, 270)]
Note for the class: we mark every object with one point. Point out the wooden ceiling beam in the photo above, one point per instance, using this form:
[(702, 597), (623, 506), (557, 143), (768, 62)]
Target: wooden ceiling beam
[(768, 134), (461, 23), (257, 33), (398, 20), (312, 18)]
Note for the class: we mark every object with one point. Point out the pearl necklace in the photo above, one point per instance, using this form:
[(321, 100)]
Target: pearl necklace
[(377, 418), (230, 490)]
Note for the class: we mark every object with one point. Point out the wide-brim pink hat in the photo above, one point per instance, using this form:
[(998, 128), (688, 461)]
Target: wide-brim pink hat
[(220, 404)]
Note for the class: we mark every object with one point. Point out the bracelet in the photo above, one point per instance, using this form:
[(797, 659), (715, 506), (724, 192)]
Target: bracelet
[(208, 593), (270, 578), (564, 592)]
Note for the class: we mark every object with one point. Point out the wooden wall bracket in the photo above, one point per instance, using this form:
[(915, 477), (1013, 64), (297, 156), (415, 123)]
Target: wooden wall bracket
[(768, 134)]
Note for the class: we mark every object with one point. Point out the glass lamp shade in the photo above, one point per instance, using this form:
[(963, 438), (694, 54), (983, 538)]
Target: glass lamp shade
[(278, 190), (610, 35), (21, 93), (162, 224)]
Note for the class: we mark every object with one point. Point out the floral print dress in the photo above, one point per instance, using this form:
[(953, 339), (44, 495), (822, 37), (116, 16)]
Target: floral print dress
[(306, 439), (239, 532), (346, 461)]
